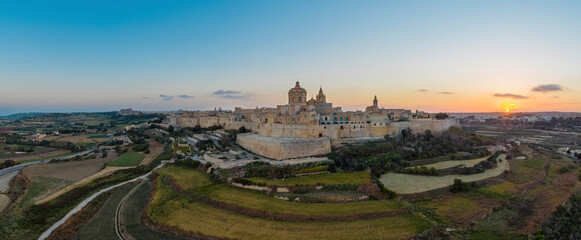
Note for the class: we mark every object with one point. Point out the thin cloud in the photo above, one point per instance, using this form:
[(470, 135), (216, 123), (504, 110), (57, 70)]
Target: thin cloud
[(422, 90), (226, 92), (166, 97), (185, 96), (232, 94), (555, 97), (446, 93), (545, 88), (144, 97), (510, 95)]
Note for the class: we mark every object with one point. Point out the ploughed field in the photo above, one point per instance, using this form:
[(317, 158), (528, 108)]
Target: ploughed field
[(185, 201)]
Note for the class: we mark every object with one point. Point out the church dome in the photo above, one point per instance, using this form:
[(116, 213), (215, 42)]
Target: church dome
[(297, 95)]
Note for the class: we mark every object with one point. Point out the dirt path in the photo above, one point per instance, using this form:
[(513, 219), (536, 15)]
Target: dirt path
[(39, 155), (105, 172), (449, 164), (408, 184)]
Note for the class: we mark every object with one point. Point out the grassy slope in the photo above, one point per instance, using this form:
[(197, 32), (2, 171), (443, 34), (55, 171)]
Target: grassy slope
[(186, 178), (127, 159), (251, 199), (171, 209), (42, 186), (198, 181), (354, 178)]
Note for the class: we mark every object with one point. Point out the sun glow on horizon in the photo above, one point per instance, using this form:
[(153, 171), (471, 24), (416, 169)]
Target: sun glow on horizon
[(507, 107)]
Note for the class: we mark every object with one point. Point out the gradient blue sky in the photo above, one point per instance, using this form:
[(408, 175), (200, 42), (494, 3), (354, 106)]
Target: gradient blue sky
[(429, 55)]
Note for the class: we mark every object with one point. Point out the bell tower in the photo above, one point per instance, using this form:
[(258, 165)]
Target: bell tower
[(321, 98)]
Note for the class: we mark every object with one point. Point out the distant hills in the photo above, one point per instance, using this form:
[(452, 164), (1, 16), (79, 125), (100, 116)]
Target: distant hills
[(21, 115)]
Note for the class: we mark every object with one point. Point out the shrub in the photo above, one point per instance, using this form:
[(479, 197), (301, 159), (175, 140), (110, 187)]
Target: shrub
[(460, 186), (331, 167), (389, 193)]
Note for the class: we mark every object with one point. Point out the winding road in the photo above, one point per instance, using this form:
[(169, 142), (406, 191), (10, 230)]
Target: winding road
[(47, 233), (118, 223)]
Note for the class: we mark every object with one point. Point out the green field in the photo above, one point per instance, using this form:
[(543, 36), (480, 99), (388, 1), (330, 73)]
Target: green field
[(354, 178), (127, 159), (535, 163), (197, 181), (42, 186), (98, 136), (256, 200), (186, 178), (87, 144), (8, 151), (170, 208)]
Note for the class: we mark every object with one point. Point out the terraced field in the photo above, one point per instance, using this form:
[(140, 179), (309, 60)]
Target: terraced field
[(179, 211), (254, 200), (187, 215), (354, 178)]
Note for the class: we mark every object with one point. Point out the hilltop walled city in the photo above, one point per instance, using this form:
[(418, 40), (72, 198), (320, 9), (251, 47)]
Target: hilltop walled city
[(304, 127)]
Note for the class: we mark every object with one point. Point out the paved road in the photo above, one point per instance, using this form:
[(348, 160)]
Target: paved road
[(5, 181), (22, 165), (118, 223)]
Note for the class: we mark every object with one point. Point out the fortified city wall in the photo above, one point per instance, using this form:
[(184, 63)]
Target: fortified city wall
[(284, 148)]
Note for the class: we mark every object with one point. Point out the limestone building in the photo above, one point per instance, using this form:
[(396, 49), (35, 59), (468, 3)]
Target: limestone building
[(309, 127)]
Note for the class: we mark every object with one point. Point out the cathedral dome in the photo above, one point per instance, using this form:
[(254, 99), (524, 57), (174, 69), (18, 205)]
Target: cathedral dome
[(297, 95)]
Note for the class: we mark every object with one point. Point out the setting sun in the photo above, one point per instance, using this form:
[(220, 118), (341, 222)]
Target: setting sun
[(507, 107)]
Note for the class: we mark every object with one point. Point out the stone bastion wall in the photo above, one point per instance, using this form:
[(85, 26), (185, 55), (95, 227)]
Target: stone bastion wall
[(421, 125), (284, 148)]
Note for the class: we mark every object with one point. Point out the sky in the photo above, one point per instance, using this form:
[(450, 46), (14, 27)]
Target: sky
[(436, 56)]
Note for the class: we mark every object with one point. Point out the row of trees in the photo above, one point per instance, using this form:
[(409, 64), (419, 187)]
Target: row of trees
[(395, 153)]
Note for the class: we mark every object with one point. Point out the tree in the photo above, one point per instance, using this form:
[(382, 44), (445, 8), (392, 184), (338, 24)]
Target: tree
[(428, 135), (9, 163), (406, 134), (441, 116)]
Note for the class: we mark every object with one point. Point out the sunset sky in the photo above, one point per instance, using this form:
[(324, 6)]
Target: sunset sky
[(451, 56)]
